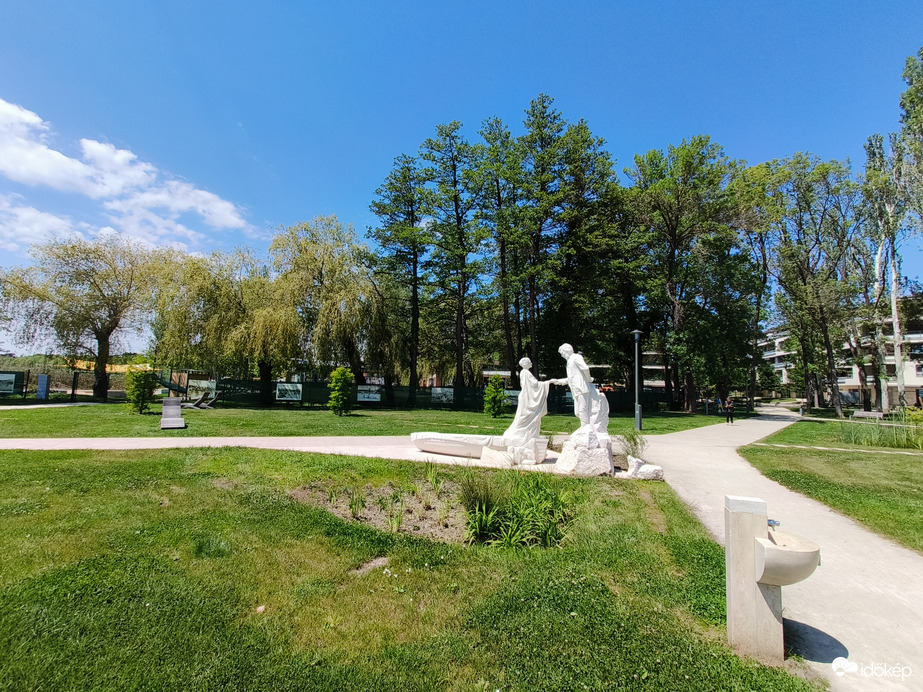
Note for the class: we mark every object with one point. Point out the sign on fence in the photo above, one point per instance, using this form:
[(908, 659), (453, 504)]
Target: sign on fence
[(7, 383), (368, 392), (288, 391), (43, 383), (442, 395)]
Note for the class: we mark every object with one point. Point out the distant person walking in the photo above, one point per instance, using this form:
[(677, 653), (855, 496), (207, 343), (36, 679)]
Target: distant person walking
[(729, 411)]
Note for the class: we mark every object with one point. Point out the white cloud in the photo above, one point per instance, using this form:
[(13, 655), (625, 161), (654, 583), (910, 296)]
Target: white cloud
[(22, 225), (137, 198)]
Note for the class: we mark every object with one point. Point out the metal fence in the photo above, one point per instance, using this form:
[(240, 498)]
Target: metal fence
[(64, 384), (382, 397)]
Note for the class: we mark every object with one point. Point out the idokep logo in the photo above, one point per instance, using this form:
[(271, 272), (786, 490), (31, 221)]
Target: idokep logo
[(842, 666)]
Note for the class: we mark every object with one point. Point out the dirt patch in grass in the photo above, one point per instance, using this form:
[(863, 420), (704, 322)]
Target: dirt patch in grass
[(654, 515), (417, 511)]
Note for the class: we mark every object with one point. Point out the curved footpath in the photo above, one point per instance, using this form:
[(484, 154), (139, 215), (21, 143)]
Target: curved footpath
[(864, 603)]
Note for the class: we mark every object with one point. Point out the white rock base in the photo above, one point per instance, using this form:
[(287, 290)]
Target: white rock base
[(577, 460), (639, 470)]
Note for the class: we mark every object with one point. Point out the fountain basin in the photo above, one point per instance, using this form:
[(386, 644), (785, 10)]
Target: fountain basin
[(783, 558)]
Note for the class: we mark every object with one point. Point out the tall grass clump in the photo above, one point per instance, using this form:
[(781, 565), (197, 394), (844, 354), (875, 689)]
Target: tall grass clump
[(905, 433), (514, 510)]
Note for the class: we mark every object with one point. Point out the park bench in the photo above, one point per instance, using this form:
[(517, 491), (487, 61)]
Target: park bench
[(869, 414)]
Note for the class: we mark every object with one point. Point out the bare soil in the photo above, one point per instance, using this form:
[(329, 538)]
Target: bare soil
[(417, 510)]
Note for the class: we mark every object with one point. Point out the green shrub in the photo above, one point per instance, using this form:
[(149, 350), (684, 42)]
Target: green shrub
[(494, 397), (511, 510), (341, 391), (139, 388)]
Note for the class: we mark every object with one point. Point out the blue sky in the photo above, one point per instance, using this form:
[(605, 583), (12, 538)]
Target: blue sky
[(209, 125)]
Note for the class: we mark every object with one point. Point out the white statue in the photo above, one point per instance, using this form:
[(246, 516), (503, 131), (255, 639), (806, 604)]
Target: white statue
[(532, 405), (522, 442), (590, 406)]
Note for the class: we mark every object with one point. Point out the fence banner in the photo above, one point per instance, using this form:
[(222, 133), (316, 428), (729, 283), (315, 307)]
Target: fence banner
[(288, 391), (368, 392)]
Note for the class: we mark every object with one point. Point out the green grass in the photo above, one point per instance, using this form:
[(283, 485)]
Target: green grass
[(195, 570), (115, 420), (882, 491)]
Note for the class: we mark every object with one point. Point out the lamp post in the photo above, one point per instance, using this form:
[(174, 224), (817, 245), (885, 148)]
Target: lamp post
[(637, 334)]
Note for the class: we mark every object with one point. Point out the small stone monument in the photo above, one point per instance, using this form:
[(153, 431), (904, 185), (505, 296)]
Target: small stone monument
[(172, 416)]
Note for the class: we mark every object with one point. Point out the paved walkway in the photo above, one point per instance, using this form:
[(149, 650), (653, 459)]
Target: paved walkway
[(864, 603)]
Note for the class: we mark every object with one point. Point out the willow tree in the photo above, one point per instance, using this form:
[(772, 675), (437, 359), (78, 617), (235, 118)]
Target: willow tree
[(323, 271), (83, 294), (227, 313)]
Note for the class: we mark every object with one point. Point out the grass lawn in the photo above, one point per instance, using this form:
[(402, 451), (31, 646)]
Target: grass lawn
[(115, 420), (197, 569), (882, 491)]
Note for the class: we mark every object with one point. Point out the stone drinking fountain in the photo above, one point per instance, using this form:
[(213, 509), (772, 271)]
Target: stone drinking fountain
[(759, 561)]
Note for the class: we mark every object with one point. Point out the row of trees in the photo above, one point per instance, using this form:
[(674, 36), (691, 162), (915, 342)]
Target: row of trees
[(510, 245)]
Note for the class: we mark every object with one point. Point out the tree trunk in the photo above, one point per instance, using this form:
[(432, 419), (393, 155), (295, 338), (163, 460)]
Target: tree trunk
[(100, 375), (511, 359), (831, 365), (460, 334), (690, 392), (884, 398), (414, 332), (264, 367), (896, 325)]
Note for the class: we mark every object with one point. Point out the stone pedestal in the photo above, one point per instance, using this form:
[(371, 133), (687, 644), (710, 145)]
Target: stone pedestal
[(172, 415), (578, 458)]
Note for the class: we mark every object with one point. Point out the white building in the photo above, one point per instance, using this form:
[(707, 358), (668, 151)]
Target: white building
[(783, 359)]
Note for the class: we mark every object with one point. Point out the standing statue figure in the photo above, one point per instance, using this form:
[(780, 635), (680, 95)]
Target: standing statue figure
[(532, 405), (591, 407)]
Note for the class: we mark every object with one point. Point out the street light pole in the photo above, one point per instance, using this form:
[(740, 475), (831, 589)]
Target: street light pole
[(637, 334)]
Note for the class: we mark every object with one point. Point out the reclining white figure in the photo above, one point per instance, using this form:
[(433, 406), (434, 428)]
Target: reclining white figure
[(522, 440)]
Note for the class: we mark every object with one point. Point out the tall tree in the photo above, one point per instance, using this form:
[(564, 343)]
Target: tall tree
[(885, 192), (501, 173), (82, 293), (816, 228), (403, 205), (543, 156), (456, 261), (912, 128), (685, 200)]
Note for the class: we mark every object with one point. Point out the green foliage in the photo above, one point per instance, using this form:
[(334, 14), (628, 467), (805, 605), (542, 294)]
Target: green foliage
[(80, 292), (633, 443), (140, 383), (494, 397), (357, 501), (341, 391), (512, 510)]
